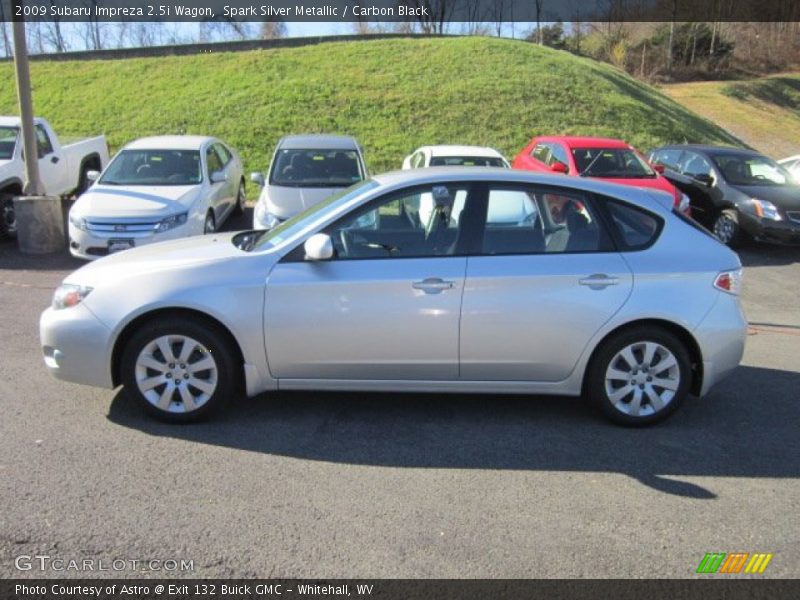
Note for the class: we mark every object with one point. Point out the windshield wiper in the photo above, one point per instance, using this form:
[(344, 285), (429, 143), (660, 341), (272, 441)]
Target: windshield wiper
[(591, 164)]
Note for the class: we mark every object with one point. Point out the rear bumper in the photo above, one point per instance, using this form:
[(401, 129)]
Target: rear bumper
[(721, 337), (775, 232)]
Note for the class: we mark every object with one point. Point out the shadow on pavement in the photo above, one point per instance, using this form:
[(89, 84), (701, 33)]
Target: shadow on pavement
[(746, 428)]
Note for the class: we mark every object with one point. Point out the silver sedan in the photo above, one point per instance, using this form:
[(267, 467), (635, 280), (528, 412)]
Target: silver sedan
[(508, 281)]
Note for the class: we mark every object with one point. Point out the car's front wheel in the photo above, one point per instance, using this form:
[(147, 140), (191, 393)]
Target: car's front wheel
[(179, 370), (640, 376), (726, 227)]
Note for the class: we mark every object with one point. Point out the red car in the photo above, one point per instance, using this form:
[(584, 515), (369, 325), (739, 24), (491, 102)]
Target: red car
[(609, 159)]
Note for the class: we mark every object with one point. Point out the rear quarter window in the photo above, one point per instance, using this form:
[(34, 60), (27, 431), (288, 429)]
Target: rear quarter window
[(634, 228)]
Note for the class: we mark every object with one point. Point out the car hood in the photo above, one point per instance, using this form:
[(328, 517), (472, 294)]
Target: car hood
[(785, 197), (285, 202), (105, 201), (187, 252)]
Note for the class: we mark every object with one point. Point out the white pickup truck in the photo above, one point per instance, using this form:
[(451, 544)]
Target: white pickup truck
[(62, 168)]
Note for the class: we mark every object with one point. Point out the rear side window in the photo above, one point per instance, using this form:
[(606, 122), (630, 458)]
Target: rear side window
[(636, 229)]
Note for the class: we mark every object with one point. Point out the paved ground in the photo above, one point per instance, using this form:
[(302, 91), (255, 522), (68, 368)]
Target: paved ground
[(343, 485)]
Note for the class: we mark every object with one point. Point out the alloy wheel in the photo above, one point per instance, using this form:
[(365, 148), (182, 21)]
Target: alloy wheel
[(724, 229), (642, 379)]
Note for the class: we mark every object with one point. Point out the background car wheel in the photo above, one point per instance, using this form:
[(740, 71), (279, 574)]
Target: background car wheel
[(640, 376), (179, 370), (241, 200), (210, 225), (726, 228), (8, 222)]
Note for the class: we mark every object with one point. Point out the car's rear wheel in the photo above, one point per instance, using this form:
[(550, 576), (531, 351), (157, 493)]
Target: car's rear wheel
[(726, 227), (640, 376), (241, 199), (8, 222), (210, 224), (179, 370)]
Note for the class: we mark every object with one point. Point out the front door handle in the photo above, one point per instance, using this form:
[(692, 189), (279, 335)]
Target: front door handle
[(598, 281), (433, 285)]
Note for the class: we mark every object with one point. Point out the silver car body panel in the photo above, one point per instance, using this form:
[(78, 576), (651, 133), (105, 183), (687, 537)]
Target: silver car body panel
[(335, 339)]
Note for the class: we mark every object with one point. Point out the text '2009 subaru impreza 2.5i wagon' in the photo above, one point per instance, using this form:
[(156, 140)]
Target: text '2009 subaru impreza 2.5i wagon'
[(515, 282)]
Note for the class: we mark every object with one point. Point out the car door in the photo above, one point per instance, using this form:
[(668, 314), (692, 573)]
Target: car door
[(219, 191), (386, 307), (53, 170), (544, 280)]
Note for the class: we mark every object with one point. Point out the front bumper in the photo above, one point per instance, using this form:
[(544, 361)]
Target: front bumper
[(91, 246), (785, 231), (75, 346), (721, 336)]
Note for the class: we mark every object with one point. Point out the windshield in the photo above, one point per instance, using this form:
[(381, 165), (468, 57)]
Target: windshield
[(315, 168), (740, 169), (8, 140), (263, 240), (467, 161), (154, 167), (618, 163)]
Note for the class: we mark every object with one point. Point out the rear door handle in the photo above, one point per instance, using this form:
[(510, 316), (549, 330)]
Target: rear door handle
[(599, 281), (433, 285)]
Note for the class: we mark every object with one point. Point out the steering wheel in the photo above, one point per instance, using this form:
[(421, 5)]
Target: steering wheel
[(142, 168)]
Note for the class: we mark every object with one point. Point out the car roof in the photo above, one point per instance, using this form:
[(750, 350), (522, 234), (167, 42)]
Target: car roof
[(574, 141), (710, 148), (318, 142), (170, 142), (408, 177), (459, 150)]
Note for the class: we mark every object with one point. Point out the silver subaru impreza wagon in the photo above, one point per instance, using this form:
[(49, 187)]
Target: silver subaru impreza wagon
[(507, 281)]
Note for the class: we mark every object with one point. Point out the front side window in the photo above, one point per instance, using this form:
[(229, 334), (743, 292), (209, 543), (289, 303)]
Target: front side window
[(8, 141), (315, 168), (43, 144), (751, 170), (532, 221), (224, 154), (154, 167), (425, 221), (693, 164), (213, 161), (617, 163), (541, 152)]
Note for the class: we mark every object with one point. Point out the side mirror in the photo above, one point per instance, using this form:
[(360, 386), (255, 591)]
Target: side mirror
[(705, 179), (218, 177), (319, 247), (658, 168), (257, 178), (558, 167), (92, 175)]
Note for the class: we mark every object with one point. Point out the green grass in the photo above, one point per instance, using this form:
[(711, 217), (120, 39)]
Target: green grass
[(393, 95), (764, 112)]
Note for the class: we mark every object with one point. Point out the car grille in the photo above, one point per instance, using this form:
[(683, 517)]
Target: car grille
[(121, 228), (793, 215)]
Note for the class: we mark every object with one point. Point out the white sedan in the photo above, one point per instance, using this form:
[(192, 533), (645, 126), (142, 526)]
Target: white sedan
[(792, 164), (454, 156), (157, 189)]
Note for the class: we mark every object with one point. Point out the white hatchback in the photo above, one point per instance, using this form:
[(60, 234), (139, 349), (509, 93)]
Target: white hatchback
[(157, 189)]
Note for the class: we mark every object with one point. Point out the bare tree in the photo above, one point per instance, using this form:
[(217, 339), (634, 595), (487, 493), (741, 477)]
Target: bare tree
[(273, 30), (3, 30), (437, 14), (538, 5)]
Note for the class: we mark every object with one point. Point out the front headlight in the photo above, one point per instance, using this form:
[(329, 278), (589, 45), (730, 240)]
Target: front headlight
[(263, 219), (77, 221), (171, 222), (765, 209), (68, 295)]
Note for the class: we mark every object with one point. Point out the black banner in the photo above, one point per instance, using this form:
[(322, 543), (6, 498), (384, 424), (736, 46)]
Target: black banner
[(705, 588), (430, 12)]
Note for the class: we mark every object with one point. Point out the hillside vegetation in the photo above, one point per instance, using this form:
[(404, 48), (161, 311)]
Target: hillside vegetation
[(764, 113), (393, 95)]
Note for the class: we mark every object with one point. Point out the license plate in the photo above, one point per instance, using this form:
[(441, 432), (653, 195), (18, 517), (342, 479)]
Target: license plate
[(117, 245)]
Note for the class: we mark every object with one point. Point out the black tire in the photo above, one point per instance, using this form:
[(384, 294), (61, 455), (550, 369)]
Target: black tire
[(213, 223), (8, 222), (212, 343), (608, 356), (241, 198), (726, 228), (83, 180)]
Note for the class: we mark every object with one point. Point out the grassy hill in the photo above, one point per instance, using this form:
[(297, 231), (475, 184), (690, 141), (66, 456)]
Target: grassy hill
[(764, 113), (393, 95)]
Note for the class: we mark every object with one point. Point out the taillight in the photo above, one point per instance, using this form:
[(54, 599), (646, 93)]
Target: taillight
[(729, 281)]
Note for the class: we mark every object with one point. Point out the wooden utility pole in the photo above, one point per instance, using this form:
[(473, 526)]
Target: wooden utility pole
[(32, 182)]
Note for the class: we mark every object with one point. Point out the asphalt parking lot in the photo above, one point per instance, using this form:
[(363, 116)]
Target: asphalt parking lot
[(383, 485)]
